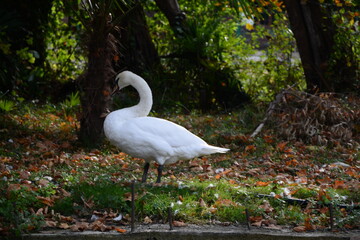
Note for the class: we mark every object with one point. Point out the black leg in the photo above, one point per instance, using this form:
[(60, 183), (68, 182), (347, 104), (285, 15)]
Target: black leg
[(146, 169), (160, 168)]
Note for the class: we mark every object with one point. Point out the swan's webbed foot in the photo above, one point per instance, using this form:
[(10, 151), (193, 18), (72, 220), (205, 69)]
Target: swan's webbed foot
[(160, 168), (146, 169)]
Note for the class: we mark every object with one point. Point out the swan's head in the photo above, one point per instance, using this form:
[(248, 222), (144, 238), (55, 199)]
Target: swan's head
[(123, 80)]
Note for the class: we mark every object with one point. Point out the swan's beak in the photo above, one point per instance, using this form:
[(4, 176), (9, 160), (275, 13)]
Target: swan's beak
[(115, 90)]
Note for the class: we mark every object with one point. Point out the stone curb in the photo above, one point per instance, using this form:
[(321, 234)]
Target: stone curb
[(192, 232)]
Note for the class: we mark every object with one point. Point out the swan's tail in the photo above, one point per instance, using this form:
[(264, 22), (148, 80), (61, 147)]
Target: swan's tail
[(213, 149)]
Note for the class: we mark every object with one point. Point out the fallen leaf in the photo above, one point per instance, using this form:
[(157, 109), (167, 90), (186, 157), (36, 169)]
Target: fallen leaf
[(267, 207), (40, 211), (257, 224), (202, 202), (46, 200), (120, 230), (232, 181), (43, 182), (25, 174), (179, 224), (147, 220), (255, 218), (99, 226), (262, 184), (64, 192), (281, 146), (79, 226), (268, 139), (64, 226), (50, 223), (339, 184), (66, 218), (308, 225), (250, 148), (273, 226), (224, 203), (299, 229), (89, 203)]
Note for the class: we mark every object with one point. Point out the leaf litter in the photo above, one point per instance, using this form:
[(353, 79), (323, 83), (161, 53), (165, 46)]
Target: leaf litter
[(41, 161)]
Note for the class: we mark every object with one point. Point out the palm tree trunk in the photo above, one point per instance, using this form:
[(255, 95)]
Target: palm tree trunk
[(96, 82)]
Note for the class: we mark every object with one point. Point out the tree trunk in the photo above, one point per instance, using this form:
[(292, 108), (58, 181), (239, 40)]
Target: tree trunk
[(173, 13), (96, 82), (138, 52), (314, 36), (314, 32)]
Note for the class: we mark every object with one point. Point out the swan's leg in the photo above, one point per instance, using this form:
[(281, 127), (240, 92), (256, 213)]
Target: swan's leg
[(146, 169), (160, 168)]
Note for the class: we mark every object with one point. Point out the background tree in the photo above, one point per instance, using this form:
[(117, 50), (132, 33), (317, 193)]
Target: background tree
[(315, 32), (117, 39), (95, 84), (136, 49), (23, 29)]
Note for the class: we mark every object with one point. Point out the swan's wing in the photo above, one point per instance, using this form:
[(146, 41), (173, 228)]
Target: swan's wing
[(161, 140), (174, 134)]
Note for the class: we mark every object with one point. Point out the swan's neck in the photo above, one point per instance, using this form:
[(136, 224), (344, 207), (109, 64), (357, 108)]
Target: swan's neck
[(143, 108)]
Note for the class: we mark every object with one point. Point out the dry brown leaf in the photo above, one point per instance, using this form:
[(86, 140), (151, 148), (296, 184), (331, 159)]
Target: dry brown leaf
[(179, 224), (257, 223), (120, 230), (79, 226), (64, 192), (99, 226), (147, 220), (202, 203), (89, 203), (308, 224), (44, 182), (299, 229), (24, 174), (66, 218), (64, 226), (50, 223), (267, 207), (46, 200), (273, 226)]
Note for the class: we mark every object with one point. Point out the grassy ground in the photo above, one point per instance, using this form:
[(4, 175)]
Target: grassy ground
[(48, 181)]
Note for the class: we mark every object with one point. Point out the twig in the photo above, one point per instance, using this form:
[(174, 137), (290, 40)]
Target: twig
[(247, 218), (170, 218), (331, 211), (269, 111), (133, 206)]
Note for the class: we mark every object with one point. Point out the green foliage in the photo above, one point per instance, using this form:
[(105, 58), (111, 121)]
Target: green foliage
[(65, 59), (29, 66), (274, 67), (15, 209), (216, 56), (43, 170), (346, 53), (290, 215), (199, 61), (102, 196), (305, 193), (6, 105), (71, 104)]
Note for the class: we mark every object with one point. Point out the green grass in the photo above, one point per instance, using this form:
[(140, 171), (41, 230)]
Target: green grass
[(43, 167)]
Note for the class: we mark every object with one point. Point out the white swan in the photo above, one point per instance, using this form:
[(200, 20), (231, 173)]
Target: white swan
[(151, 138)]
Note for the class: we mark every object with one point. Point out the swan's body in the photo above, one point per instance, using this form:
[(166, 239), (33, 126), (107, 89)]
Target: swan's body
[(150, 138)]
